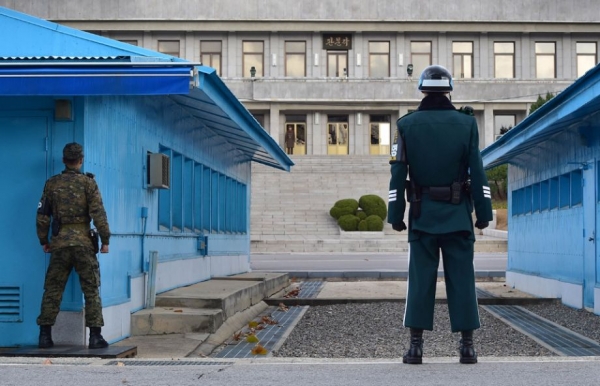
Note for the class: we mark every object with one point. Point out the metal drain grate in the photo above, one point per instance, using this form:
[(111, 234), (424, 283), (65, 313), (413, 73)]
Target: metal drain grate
[(270, 338), (169, 363), (550, 335), (483, 294), (310, 289)]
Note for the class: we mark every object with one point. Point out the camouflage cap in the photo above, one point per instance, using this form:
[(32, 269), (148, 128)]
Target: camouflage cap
[(72, 151)]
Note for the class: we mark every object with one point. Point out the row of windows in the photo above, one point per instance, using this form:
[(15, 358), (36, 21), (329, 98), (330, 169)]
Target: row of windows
[(563, 191), (253, 57), (201, 199)]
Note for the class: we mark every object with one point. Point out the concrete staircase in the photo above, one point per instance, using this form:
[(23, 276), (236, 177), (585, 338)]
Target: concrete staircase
[(204, 307), (290, 211)]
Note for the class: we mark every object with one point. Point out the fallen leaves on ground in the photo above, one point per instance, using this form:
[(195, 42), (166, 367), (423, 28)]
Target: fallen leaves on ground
[(251, 338), (268, 320), (293, 293), (259, 350), (283, 307), (178, 311)]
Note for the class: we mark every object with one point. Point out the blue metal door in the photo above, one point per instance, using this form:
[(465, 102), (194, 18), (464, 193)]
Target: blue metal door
[(23, 159), (589, 233)]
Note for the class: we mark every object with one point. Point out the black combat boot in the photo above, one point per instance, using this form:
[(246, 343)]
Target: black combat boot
[(96, 339), (467, 351), (414, 355), (45, 337)]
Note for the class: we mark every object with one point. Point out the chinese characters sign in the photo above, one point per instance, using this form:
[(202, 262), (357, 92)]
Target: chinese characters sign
[(337, 41)]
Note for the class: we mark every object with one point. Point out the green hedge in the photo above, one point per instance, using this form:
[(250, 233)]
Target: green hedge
[(373, 205), (366, 214), (349, 222)]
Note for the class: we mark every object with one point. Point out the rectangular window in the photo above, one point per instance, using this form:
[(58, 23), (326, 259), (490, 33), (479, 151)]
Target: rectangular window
[(295, 59), (379, 59), (198, 193), (132, 42), (576, 187), (169, 47), (545, 60), (544, 194), (211, 52), (527, 200), (215, 201), (253, 57), (535, 197), (177, 192), (516, 202), (206, 199), (504, 60), (503, 123), (462, 55), (587, 57), (337, 63), (420, 53), (565, 191), (164, 199), (188, 195), (554, 191)]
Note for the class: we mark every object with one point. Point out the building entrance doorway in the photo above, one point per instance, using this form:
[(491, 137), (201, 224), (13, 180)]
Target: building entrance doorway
[(337, 63), (380, 132), (337, 135), (299, 131)]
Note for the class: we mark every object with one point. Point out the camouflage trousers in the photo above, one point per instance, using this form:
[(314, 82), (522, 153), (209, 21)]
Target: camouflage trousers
[(62, 263)]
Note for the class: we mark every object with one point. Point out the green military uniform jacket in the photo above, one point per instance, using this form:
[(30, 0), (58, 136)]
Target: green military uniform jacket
[(440, 145), (73, 199)]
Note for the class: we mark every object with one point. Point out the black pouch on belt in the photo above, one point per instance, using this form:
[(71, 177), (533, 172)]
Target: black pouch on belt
[(95, 240), (440, 193)]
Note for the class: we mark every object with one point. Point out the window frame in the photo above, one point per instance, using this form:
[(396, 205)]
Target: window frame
[(462, 55), (503, 54), (582, 55), (288, 53), (543, 55), (212, 54), (413, 53), (172, 53), (378, 54), (261, 73)]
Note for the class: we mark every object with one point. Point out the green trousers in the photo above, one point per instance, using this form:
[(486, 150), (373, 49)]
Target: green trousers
[(62, 263), (459, 274)]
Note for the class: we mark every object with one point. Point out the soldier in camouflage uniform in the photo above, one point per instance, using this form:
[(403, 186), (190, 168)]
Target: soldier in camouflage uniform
[(438, 148), (70, 201)]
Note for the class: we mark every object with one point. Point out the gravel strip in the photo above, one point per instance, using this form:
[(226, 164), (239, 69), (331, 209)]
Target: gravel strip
[(374, 330)]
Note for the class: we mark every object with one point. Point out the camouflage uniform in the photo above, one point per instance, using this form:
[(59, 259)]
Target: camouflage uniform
[(71, 199)]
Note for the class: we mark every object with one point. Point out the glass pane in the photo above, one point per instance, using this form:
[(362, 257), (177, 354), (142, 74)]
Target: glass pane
[(504, 48), (467, 66), (255, 47), (295, 47), (210, 46), (332, 134), (301, 134), (419, 63), (169, 47), (457, 66), (379, 47), (216, 63), (420, 47), (342, 65), (545, 48), (544, 66), (504, 66), (503, 123), (384, 134), (379, 66), (294, 65), (585, 63), (253, 60), (462, 47), (586, 48), (375, 138)]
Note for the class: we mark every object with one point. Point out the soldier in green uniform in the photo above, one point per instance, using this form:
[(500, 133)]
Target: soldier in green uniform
[(438, 150), (70, 201)]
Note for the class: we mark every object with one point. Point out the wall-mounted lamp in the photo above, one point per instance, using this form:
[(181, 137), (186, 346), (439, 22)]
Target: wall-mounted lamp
[(400, 59), (409, 70), (359, 118), (252, 72), (358, 59), (316, 118), (316, 60), (274, 60)]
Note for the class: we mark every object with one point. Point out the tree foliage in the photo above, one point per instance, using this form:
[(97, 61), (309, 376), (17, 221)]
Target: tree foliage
[(540, 102)]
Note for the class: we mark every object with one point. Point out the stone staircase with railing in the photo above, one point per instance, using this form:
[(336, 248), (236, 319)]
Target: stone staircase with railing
[(290, 211)]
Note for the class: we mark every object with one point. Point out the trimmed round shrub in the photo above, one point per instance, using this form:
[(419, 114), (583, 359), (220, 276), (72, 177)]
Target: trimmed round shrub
[(348, 222), (373, 223), (373, 205), (362, 226), (343, 207), (361, 214)]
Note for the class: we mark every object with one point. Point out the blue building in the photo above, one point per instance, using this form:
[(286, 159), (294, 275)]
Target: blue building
[(554, 180), (171, 148)]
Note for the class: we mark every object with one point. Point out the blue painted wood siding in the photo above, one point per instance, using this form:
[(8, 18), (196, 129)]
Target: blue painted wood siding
[(546, 223), (119, 132)]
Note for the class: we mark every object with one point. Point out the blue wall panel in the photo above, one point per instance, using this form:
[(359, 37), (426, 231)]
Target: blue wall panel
[(550, 242)]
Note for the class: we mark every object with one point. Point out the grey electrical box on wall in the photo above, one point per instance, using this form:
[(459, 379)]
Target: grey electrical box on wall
[(158, 171)]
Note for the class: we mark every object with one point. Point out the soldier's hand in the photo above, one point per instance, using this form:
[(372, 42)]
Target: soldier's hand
[(104, 248), (46, 248), (401, 226), (481, 224)]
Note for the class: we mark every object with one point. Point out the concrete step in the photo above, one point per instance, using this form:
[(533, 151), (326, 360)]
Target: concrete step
[(205, 306)]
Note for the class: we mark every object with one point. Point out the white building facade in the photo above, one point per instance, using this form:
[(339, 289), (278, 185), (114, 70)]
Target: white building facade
[(338, 72)]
